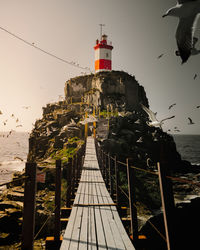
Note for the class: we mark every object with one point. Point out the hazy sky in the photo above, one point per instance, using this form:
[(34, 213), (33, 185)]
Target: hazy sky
[(68, 29)]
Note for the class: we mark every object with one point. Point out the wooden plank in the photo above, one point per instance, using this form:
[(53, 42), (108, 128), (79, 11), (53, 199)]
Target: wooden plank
[(101, 241), (92, 244), (107, 232), (84, 223), (69, 230), (77, 222)]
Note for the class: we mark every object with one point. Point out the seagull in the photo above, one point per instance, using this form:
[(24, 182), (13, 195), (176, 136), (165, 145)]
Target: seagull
[(18, 158), (154, 122), (18, 126), (195, 76), (187, 11), (172, 105), (160, 56), (190, 121), (26, 107)]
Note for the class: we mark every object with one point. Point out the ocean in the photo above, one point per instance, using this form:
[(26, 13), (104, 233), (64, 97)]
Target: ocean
[(13, 154), (189, 147)]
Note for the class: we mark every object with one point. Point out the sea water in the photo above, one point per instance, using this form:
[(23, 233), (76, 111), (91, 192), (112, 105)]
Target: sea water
[(189, 147), (13, 154)]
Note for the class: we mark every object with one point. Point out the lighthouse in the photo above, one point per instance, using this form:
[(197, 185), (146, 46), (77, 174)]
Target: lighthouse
[(103, 55)]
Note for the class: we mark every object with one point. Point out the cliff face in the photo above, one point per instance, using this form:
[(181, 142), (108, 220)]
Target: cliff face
[(115, 88)]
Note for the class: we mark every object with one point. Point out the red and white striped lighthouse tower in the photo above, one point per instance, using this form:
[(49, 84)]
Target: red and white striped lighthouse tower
[(103, 55)]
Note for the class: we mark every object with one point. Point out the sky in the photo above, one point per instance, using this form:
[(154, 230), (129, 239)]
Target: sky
[(69, 29)]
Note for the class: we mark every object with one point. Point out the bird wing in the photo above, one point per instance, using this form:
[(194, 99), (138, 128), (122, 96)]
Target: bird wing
[(190, 120), (195, 40), (184, 36), (167, 118), (150, 113), (185, 1)]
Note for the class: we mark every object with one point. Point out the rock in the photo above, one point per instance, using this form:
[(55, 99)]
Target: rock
[(185, 219)]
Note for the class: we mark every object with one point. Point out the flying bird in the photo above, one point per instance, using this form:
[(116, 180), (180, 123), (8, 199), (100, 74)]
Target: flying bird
[(190, 121), (18, 158), (18, 126), (195, 76), (172, 105), (187, 11), (26, 107), (10, 133), (154, 122), (198, 106), (161, 55)]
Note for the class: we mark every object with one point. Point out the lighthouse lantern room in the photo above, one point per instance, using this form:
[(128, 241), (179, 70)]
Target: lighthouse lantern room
[(103, 55)]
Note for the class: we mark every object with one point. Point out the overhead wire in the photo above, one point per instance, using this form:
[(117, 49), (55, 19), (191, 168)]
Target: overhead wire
[(45, 51)]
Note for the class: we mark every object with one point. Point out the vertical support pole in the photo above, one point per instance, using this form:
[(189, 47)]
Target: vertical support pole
[(167, 203), (132, 200), (57, 202), (86, 127), (106, 170), (110, 175), (102, 163), (116, 182), (28, 227), (73, 177), (69, 183)]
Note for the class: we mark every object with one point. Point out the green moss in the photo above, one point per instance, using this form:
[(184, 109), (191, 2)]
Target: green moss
[(66, 153)]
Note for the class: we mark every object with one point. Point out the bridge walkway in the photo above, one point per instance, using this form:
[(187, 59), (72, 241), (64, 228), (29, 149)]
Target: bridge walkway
[(94, 222)]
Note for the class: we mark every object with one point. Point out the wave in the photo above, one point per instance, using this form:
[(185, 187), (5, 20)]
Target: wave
[(195, 164), (14, 162)]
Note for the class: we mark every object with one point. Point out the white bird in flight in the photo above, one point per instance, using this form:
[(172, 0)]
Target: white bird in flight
[(154, 121), (187, 11)]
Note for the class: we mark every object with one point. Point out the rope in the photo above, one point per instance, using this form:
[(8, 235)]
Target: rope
[(19, 179), (183, 180), (155, 228), (122, 163), (44, 223), (144, 170)]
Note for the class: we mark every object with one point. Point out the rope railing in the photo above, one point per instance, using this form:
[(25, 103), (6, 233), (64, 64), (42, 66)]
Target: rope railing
[(13, 181), (166, 192)]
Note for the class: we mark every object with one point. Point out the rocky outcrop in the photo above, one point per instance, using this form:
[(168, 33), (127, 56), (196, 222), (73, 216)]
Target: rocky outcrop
[(185, 219), (115, 88)]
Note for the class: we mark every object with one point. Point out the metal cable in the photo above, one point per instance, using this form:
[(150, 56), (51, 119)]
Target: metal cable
[(44, 51)]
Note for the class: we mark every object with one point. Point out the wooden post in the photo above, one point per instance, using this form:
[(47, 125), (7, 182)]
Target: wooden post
[(28, 227), (57, 202), (167, 199), (110, 175), (69, 183), (73, 177), (116, 182), (132, 201)]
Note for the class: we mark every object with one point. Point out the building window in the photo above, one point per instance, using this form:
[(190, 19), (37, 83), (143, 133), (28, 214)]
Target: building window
[(107, 55)]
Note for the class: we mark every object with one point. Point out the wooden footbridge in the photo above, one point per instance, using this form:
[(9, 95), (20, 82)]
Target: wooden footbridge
[(94, 222)]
